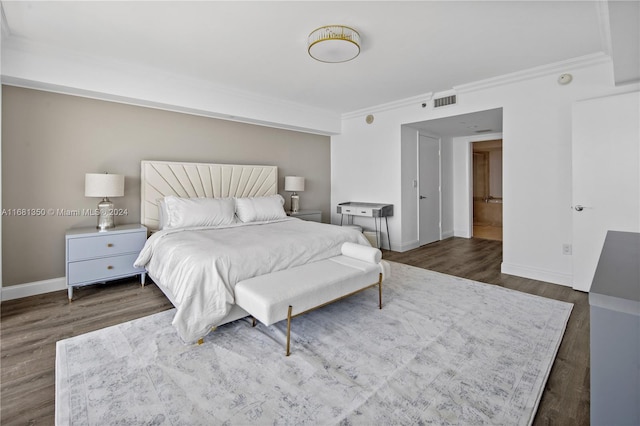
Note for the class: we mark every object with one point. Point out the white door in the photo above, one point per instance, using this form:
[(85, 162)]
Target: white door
[(428, 189), (606, 177)]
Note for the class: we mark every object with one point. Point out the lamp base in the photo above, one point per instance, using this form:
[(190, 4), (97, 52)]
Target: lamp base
[(105, 215), (295, 203)]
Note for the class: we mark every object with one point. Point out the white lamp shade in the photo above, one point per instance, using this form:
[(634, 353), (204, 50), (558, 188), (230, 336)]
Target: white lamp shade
[(103, 185), (293, 183)]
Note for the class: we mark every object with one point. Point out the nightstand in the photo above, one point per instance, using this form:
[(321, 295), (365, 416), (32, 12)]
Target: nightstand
[(94, 256), (312, 215)]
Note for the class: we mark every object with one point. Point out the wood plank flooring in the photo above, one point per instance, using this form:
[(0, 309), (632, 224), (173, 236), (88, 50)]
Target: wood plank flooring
[(487, 232), (30, 327)]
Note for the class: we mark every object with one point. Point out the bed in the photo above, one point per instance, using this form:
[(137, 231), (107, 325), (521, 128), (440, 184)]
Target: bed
[(214, 225)]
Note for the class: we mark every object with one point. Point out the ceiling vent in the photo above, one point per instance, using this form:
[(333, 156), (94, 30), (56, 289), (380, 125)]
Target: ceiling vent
[(447, 100)]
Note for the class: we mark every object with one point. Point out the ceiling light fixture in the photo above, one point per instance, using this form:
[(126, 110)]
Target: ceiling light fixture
[(334, 43)]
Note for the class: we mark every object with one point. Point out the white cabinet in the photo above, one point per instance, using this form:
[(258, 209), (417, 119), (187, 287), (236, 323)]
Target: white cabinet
[(614, 302), (93, 256)]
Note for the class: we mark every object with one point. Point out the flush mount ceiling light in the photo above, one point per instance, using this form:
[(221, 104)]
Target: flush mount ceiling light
[(334, 43)]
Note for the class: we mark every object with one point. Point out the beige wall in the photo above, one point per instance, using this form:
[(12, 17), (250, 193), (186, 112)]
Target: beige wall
[(49, 142)]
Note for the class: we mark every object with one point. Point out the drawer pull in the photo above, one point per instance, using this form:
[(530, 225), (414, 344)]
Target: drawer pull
[(109, 267), (109, 244)]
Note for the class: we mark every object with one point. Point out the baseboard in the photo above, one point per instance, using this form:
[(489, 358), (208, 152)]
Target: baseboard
[(33, 289), (448, 234), (406, 246), (462, 233), (537, 274), (416, 243)]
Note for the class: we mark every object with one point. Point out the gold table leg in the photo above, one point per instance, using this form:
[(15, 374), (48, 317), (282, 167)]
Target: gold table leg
[(289, 329)]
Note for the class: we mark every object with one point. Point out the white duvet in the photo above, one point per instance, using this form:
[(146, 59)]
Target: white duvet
[(197, 268)]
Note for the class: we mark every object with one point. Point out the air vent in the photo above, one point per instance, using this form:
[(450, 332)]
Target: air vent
[(484, 131), (447, 100)]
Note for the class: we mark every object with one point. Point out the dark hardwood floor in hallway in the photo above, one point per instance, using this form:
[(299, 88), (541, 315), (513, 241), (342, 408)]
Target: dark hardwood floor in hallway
[(30, 327)]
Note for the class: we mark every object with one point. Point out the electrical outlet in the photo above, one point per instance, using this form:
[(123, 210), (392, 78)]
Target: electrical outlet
[(567, 249)]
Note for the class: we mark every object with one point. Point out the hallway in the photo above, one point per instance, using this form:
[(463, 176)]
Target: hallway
[(487, 232)]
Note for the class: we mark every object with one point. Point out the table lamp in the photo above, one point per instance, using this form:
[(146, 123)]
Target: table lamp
[(294, 184), (104, 185)]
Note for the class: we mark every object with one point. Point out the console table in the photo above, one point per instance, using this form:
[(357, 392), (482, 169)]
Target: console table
[(615, 332), (375, 210)]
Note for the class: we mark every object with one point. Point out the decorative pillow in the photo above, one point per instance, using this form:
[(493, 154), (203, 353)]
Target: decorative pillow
[(186, 212), (162, 213), (259, 209)]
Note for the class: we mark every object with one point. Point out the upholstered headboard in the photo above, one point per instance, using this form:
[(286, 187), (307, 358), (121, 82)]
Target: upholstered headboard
[(190, 180)]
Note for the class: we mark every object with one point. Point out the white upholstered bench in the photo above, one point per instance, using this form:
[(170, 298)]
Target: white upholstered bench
[(292, 292)]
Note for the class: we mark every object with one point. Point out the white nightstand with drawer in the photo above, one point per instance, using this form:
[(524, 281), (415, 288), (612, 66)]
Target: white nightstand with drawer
[(312, 215), (94, 256)]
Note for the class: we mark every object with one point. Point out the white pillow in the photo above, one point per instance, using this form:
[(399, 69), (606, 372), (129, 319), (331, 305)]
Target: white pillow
[(258, 209), (186, 212), (162, 213)]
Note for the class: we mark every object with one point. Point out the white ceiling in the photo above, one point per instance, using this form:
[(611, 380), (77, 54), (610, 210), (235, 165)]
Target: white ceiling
[(471, 124), (408, 48)]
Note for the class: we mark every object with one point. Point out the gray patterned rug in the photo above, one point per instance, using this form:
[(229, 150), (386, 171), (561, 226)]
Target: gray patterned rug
[(443, 350)]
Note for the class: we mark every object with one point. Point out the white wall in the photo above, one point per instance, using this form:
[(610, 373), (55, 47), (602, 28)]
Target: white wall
[(447, 181), (367, 165), (2, 31), (368, 160)]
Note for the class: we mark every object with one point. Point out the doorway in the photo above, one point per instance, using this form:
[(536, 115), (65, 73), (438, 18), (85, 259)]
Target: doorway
[(455, 134), (487, 189)]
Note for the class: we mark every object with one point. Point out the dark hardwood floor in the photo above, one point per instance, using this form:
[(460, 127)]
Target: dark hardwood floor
[(30, 327)]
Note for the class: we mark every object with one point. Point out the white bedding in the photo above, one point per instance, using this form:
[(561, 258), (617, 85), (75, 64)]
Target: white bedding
[(197, 268)]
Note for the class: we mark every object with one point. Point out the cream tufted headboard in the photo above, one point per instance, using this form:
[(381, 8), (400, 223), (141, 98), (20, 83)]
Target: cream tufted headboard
[(190, 180)]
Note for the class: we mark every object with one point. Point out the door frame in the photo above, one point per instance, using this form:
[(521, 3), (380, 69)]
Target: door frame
[(468, 141), (439, 140)]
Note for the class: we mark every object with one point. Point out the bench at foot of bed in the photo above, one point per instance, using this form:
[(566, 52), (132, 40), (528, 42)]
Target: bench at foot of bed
[(292, 292)]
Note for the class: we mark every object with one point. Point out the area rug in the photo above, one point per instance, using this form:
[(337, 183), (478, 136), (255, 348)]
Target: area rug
[(443, 350)]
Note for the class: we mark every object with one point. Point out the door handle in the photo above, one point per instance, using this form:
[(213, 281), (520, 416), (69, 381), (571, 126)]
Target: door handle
[(580, 208), (422, 197)]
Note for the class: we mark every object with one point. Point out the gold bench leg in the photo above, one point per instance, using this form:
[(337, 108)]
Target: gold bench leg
[(289, 329)]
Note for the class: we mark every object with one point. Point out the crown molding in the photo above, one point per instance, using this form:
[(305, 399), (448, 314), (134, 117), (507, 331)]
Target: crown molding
[(4, 24), (414, 100), (541, 71), (84, 75), (604, 24), (544, 70)]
